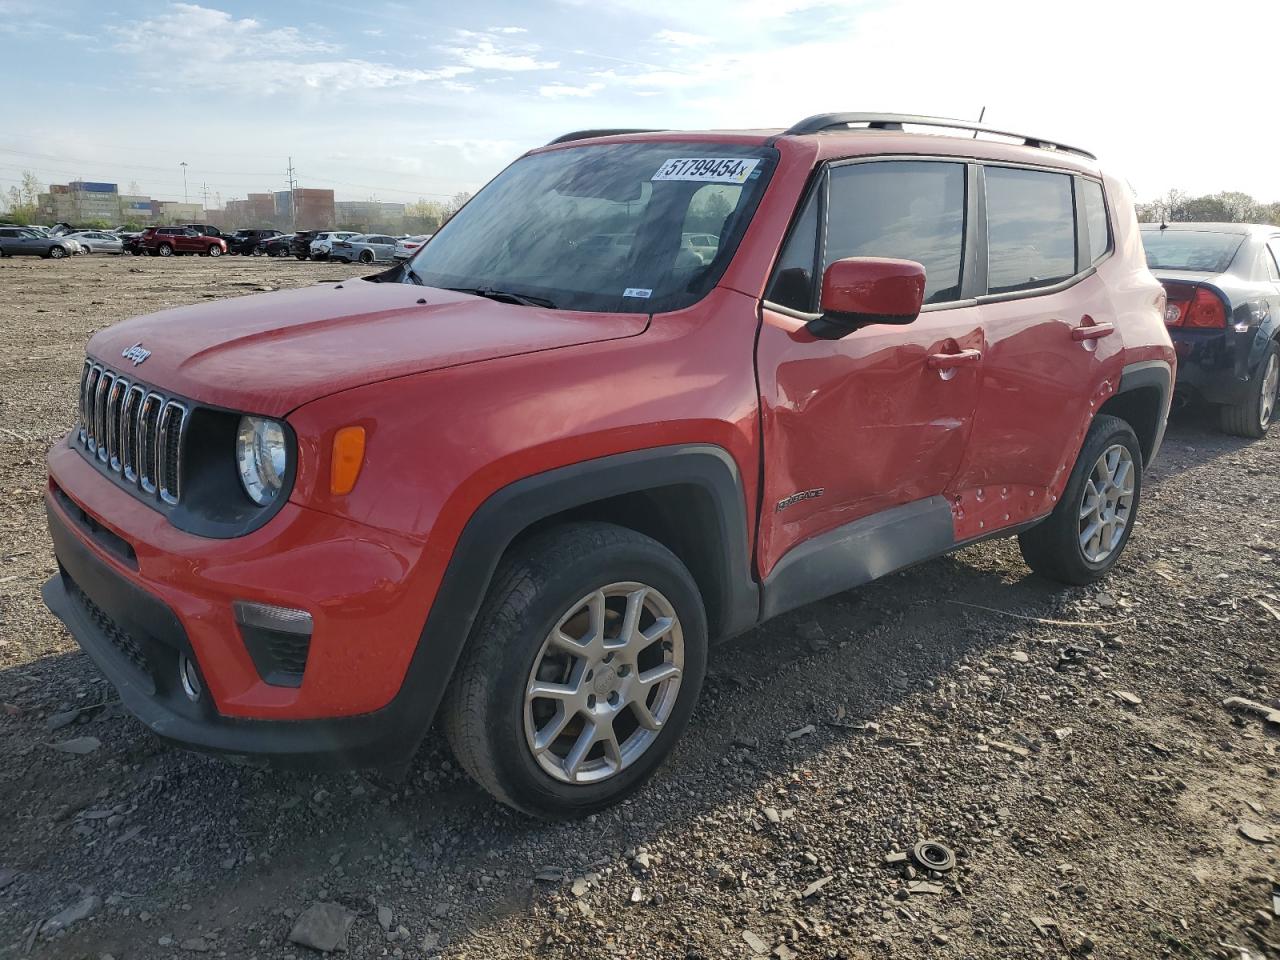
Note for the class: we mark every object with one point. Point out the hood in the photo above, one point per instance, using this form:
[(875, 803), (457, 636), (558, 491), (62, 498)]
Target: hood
[(271, 353)]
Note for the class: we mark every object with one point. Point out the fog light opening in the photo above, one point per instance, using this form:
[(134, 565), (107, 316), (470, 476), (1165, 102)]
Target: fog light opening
[(189, 677)]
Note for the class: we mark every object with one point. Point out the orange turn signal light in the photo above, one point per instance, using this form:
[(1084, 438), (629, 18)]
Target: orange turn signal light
[(348, 458)]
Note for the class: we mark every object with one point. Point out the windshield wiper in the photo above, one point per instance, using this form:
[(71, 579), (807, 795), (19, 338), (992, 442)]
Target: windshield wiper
[(506, 296)]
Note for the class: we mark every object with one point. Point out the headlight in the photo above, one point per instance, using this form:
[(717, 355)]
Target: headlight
[(261, 455)]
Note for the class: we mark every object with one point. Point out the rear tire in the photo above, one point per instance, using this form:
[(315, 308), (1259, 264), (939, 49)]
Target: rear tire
[(573, 583), (1253, 417), (1061, 546), (301, 256), (366, 256), (57, 253)]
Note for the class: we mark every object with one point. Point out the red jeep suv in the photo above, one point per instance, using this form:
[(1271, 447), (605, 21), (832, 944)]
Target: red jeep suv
[(171, 241), (646, 390)]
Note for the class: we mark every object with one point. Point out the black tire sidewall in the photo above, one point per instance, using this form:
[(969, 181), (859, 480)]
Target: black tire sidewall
[(533, 788), (1255, 396)]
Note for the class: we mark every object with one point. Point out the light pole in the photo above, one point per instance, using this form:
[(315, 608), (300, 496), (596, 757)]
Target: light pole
[(183, 165)]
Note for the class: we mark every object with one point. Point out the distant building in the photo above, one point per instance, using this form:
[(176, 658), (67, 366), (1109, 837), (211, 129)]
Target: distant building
[(136, 209), (170, 212), (315, 209), (81, 201)]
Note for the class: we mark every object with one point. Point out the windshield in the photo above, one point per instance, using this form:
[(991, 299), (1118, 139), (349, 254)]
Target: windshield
[(632, 227), (1190, 249)]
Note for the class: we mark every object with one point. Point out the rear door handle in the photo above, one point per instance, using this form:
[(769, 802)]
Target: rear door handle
[(942, 361), (1092, 331)]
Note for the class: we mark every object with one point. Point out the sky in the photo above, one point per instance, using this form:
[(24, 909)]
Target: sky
[(404, 101)]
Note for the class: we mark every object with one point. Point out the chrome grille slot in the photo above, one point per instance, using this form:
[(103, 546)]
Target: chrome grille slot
[(105, 379), (149, 440), (173, 424), (133, 431), (90, 419), (82, 406), (129, 431), (115, 402)]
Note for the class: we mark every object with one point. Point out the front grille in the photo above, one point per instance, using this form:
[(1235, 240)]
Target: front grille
[(121, 640), (132, 430)]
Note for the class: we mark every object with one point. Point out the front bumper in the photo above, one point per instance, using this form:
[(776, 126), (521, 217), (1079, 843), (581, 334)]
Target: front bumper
[(138, 594)]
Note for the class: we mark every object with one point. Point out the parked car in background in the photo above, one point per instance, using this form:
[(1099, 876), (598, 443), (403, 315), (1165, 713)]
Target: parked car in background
[(97, 241), (172, 241), (277, 246), (24, 242), (1223, 285), (323, 241), (537, 480), (245, 242), (300, 245), (132, 243), (704, 245), (365, 248), (406, 247)]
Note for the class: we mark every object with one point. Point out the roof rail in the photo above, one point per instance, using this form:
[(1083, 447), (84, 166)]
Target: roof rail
[(823, 122), (589, 134)]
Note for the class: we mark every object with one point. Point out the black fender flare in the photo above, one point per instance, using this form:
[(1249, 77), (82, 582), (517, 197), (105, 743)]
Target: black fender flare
[(513, 509), (1154, 375)]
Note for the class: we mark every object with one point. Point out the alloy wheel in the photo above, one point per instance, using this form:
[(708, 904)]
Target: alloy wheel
[(604, 683), (1106, 504), (1270, 387)]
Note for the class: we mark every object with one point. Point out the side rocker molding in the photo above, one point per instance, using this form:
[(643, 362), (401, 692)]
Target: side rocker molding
[(858, 553), (513, 509)]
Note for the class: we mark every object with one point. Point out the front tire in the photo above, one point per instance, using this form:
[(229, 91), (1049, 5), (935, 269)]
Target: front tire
[(581, 672), (164, 250), (215, 250), (1253, 417), (1086, 533)]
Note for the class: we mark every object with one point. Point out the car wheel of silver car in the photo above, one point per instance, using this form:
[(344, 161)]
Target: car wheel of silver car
[(57, 253), (1081, 540), (581, 671), (366, 256), (1253, 417)]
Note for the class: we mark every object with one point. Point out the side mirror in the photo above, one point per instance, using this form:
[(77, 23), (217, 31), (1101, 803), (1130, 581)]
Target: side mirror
[(858, 291)]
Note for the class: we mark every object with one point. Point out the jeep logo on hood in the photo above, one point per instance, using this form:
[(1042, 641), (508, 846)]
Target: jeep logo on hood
[(136, 353)]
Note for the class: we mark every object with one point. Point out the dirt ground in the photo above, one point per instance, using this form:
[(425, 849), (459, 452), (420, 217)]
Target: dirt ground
[(1071, 747)]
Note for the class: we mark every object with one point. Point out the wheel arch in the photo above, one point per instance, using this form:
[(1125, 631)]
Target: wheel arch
[(642, 490), (1142, 401)]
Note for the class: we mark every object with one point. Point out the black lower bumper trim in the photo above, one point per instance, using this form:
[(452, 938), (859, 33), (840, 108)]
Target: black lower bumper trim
[(93, 601)]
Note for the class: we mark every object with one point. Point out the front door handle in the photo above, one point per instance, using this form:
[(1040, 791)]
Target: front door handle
[(1091, 331), (943, 361)]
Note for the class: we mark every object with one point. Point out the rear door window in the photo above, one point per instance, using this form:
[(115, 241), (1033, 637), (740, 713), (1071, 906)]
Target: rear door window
[(1031, 229), (908, 209)]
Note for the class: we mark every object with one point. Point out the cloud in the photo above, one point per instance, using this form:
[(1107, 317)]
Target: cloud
[(192, 30), (487, 51), (508, 30), (557, 90)]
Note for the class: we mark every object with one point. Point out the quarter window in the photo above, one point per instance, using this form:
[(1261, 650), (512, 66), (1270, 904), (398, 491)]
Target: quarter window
[(1095, 213), (1031, 233), (908, 209)]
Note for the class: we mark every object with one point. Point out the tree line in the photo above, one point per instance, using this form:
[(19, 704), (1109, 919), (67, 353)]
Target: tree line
[(1229, 206)]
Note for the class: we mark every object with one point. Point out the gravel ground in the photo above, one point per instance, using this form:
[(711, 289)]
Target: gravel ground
[(1071, 746)]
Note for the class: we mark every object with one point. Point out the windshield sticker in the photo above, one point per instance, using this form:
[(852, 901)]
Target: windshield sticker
[(707, 169), (639, 292)]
